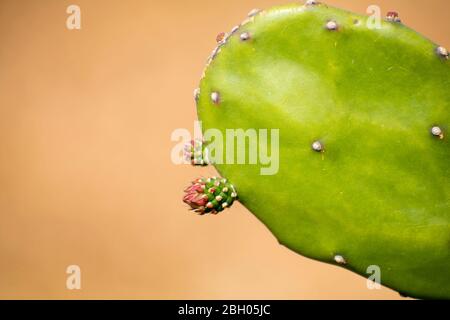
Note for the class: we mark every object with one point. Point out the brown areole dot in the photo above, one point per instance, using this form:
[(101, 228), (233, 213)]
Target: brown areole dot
[(340, 260), (253, 13), (443, 52), (196, 94), (437, 132), (215, 97), (245, 36), (332, 25), (317, 146), (220, 37), (311, 2)]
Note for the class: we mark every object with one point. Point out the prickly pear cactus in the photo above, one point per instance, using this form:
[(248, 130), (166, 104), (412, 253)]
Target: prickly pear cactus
[(364, 156)]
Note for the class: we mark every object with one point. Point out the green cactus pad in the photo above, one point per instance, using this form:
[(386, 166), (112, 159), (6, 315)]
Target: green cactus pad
[(378, 193)]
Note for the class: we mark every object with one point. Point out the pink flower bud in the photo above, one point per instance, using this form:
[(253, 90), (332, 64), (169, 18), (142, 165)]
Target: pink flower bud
[(195, 196)]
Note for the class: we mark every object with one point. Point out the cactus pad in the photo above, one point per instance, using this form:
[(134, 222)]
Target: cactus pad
[(375, 102)]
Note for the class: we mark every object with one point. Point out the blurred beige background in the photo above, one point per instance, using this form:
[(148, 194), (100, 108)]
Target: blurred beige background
[(85, 171)]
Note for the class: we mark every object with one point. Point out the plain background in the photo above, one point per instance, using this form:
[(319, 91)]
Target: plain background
[(85, 170)]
